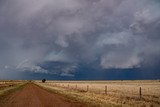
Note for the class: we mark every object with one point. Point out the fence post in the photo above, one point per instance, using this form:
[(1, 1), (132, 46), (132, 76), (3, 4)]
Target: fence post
[(68, 85), (76, 87), (87, 88), (105, 89), (140, 92)]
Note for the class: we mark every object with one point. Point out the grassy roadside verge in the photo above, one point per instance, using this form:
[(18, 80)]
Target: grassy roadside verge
[(90, 101), (8, 90)]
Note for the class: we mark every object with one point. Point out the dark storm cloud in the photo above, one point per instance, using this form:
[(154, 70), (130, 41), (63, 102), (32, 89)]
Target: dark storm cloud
[(115, 33)]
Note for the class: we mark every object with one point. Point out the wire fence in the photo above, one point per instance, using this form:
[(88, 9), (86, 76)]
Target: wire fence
[(136, 90)]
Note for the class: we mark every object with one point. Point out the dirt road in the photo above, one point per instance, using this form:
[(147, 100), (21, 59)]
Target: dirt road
[(34, 96)]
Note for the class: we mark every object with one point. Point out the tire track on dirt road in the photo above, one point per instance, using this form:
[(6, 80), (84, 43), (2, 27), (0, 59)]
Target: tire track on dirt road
[(34, 96)]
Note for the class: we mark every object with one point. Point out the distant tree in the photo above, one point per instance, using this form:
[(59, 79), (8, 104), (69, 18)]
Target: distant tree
[(29, 80), (43, 80)]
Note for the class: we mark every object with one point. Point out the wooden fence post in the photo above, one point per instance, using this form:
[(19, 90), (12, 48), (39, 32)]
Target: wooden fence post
[(87, 88), (105, 89), (140, 92), (76, 87)]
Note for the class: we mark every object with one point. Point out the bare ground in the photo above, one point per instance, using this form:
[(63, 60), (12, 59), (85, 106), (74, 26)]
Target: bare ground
[(34, 96)]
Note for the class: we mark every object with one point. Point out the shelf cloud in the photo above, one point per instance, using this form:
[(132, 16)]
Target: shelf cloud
[(113, 34)]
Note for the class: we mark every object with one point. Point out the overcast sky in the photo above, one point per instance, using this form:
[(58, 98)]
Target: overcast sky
[(55, 37)]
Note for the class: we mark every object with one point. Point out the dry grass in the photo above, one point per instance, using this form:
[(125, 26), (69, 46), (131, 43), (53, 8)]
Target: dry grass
[(6, 86), (9, 83), (120, 93)]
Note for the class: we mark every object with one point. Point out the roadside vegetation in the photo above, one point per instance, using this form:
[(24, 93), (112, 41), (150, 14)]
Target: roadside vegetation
[(7, 87), (108, 93)]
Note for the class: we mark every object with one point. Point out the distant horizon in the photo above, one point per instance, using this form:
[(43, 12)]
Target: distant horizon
[(76, 80)]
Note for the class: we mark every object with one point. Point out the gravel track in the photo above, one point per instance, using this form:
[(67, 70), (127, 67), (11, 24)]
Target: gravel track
[(34, 96)]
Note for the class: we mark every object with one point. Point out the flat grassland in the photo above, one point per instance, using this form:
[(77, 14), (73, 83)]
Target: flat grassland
[(141, 93), (9, 85)]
